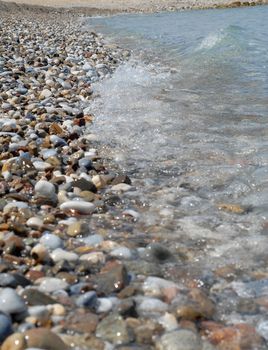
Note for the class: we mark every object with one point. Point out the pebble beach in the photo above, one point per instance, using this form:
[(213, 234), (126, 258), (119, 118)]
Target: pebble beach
[(72, 274)]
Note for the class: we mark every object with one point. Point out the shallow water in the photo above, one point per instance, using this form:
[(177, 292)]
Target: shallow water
[(186, 117)]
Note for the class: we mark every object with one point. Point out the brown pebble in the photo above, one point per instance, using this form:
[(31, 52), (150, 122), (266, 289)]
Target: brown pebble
[(16, 341), (44, 339)]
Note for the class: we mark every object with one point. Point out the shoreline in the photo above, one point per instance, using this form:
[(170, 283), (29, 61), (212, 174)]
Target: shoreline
[(105, 7)]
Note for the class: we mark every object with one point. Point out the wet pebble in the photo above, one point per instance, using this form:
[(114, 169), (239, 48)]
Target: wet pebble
[(182, 339), (80, 206), (114, 329)]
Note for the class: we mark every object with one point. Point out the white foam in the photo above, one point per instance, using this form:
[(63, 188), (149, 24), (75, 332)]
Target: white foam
[(210, 41)]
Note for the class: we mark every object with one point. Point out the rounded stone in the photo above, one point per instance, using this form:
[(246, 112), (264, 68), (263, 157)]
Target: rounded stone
[(5, 326), (121, 252), (77, 228), (51, 241), (15, 341), (88, 300), (34, 222), (11, 302), (44, 189), (60, 254), (51, 284)]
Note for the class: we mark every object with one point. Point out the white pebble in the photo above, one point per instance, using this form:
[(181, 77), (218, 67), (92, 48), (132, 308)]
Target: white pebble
[(94, 257), (82, 207), (51, 241), (150, 306), (34, 222), (60, 254), (121, 187), (51, 284), (121, 252), (41, 166), (20, 205)]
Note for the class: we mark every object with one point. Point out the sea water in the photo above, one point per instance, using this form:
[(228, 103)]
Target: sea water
[(187, 118)]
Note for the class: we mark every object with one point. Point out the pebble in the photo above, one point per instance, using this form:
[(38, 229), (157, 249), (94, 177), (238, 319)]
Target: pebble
[(113, 279), (51, 284), (113, 328), (42, 166), (105, 279), (77, 228), (10, 206), (40, 313), (40, 253), (16, 341), (35, 222), (94, 257), (5, 326), (35, 297), (157, 287), (168, 321), (51, 241), (104, 305), (60, 254), (92, 240), (45, 339), (8, 280), (44, 188), (88, 300), (182, 339), (11, 302), (45, 94), (148, 305), (121, 187), (81, 207)]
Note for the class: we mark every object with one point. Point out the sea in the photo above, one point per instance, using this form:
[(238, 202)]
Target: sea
[(187, 118)]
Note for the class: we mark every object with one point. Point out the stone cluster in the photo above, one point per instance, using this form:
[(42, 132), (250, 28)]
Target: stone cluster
[(72, 276)]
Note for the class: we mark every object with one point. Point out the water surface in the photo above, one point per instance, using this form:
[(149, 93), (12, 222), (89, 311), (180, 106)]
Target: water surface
[(186, 117)]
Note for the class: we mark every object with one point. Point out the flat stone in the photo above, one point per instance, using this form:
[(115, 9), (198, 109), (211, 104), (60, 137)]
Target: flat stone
[(182, 339), (60, 254), (112, 281), (35, 297), (121, 179), (121, 187), (84, 185), (82, 322), (113, 328), (81, 207), (150, 306), (51, 284), (43, 338)]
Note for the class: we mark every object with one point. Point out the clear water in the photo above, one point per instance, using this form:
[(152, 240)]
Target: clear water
[(186, 117)]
